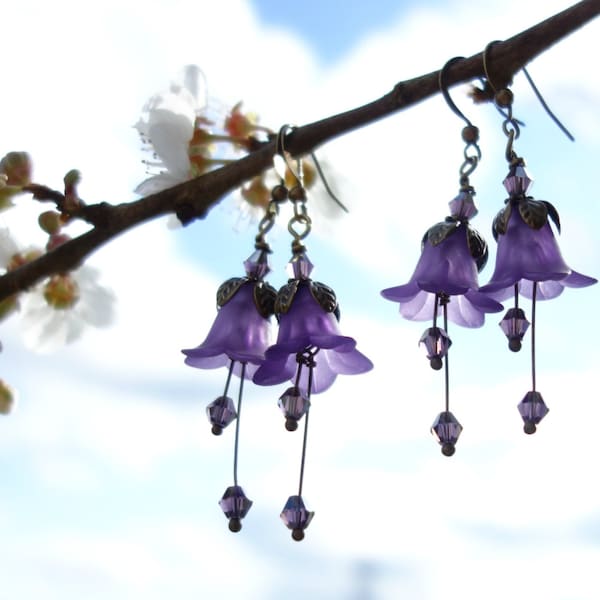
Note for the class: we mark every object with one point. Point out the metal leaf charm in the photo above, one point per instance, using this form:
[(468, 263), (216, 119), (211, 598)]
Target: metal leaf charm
[(553, 214), (324, 295), (286, 294), (533, 212), (500, 223), (440, 231), (228, 289), (264, 298), (478, 248)]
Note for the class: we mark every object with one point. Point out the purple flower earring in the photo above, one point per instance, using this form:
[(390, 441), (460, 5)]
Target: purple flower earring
[(238, 339), (528, 259), (310, 350), (445, 279)]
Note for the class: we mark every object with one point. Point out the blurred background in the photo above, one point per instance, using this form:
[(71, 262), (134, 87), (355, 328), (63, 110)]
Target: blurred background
[(109, 475)]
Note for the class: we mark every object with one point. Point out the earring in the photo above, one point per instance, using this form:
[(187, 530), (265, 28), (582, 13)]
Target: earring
[(445, 278), (528, 260), (238, 339), (310, 350)]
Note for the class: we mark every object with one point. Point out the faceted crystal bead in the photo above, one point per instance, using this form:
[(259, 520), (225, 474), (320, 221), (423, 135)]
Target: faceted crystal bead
[(300, 266), (294, 406), (296, 517), (514, 325), (436, 343), (532, 410), (447, 430), (517, 181), (235, 505), (257, 264), (463, 206), (221, 412)]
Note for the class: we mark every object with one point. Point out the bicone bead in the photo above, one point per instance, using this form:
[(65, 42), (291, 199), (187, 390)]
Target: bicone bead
[(221, 412), (463, 206), (517, 181), (436, 343), (257, 265), (514, 325), (300, 266), (235, 505), (295, 516), (532, 410), (293, 405), (446, 430)]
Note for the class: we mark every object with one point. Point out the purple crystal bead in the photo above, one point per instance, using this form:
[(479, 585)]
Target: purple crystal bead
[(221, 412), (532, 410), (300, 266), (514, 325), (257, 264), (517, 181), (447, 430), (294, 406), (235, 505), (296, 517), (463, 206), (436, 343)]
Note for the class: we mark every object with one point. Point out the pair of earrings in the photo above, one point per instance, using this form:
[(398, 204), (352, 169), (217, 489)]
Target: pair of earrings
[(309, 352), (528, 262)]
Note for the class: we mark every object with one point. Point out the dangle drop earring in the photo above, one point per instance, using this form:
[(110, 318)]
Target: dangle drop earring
[(528, 260), (238, 339), (445, 278), (310, 351)]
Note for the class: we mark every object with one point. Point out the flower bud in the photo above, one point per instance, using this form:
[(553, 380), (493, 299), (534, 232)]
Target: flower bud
[(7, 398), (256, 193), (61, 292), (50, 221), (8, 306), (17, 167)]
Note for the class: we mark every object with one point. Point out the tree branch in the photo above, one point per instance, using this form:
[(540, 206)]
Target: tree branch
[(193, 199)]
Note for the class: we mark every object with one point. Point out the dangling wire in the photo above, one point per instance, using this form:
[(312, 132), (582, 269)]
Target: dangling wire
[(237, 425)]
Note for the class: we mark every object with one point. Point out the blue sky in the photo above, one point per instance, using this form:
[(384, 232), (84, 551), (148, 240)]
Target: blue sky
[(109, 476)]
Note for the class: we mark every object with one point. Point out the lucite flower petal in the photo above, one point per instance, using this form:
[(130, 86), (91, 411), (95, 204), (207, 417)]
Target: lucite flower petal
[(449, 268), (239, 333), (306, 325), (525, 255)]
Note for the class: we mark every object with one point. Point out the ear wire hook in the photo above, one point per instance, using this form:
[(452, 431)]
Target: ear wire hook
[(298, 174), (535, 89), (470, 133)]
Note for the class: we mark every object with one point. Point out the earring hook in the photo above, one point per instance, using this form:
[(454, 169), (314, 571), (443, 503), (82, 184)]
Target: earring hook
[(470, 133), (282, 159), (535, 89)]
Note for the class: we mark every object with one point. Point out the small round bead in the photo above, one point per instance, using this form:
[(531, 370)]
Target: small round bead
[(504, 98), (235, 525), (515, 345), (435, 363), (217, 430), (279, 193), (470, 134), (448, 449), (291, 424), (298, 535), (297, 193), (529, 428)]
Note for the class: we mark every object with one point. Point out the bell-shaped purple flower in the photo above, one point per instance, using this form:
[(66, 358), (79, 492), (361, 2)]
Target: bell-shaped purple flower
[(528, 252), (308, 331), (451, 256), (240, 331)]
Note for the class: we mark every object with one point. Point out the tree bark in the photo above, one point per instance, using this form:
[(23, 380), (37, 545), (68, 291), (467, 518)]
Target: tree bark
[(193, 199)]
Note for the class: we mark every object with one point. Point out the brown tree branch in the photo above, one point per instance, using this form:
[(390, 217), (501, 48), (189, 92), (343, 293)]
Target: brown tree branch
[(194, 198)]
